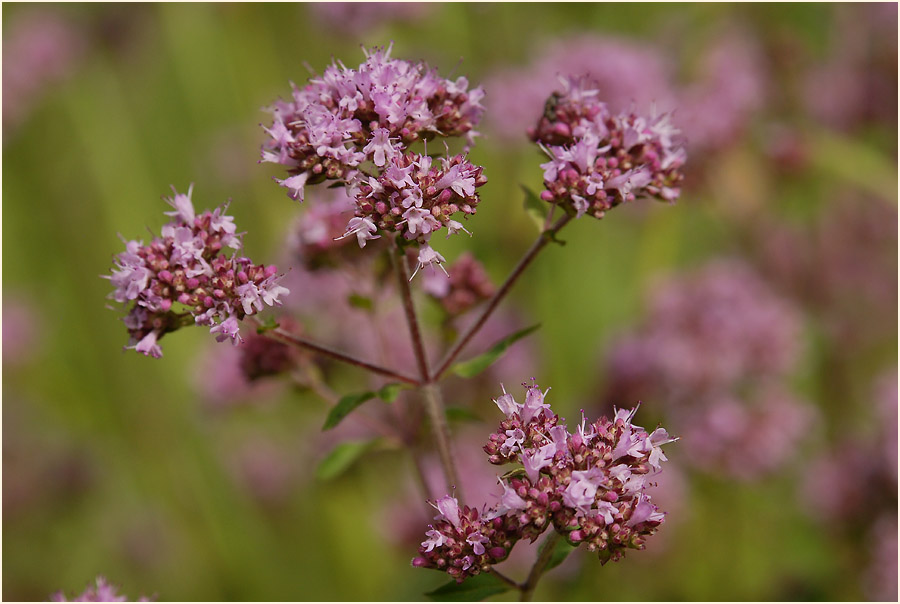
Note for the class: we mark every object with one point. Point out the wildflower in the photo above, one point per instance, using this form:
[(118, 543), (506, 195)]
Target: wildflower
[(349, 116), (598, 159), (183, 277), (572, 484), (414, 197), (717, 348), (467, 285)]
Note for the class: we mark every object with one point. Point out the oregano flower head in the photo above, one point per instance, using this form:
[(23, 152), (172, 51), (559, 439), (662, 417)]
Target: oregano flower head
[(182, 277), (373, 113), (599, 159), (588, 485)]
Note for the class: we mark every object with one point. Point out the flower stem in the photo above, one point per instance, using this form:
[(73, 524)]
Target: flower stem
[(436, 413), (543, 239), (540, 565), (434, 403), (409, 309), (286, 337)]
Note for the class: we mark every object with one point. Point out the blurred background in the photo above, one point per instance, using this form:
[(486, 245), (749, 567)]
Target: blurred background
[(756, 318)]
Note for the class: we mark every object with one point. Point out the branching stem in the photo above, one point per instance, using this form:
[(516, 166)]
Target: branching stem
[(543, 239), (434, 404), (285, 337)]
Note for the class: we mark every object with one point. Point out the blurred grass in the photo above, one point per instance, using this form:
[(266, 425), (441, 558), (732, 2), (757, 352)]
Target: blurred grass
[(94, 159)]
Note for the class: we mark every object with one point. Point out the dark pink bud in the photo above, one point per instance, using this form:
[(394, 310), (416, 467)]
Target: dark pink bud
[(193, 283), (497, 553), (218, 293), (165, 305), (576, 536), (381, 207), (562, 129), (419, 561), (611, 496), (165, 276), (208, 302), (547, 195), (445, 196), (242, 277)]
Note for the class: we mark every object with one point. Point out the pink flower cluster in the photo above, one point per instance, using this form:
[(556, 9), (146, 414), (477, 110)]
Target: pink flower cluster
[(316, 238), (42, 48), (356, 126), (349, 116), (718, 347), (589, 485), (182, 278), (101, 591), (415, 198), (467, 285), (600, 159)]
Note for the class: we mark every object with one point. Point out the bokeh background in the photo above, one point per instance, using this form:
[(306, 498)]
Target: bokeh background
[(757, 317)]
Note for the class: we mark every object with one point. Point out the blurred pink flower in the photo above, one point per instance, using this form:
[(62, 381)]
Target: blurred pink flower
[(627, 71), (41, 47), (715, 107), (353, 18), (21, 330)]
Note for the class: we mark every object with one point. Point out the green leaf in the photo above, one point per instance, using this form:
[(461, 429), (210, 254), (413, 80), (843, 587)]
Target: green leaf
[(341, 458), (389, 392), (472, 589), (551, 235), (475, 366), (561, 550), (514, 473), (268, 324), (461, 414), (360, 301), (534, 207), (344, 407)]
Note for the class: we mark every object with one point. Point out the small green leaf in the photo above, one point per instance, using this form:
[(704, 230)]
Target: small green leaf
[(268, 324), (475, 366), (344, 407), (389, 392), (551, 236), (514, 473), (461, 414), (534, 207), (561, 550), (360, 301), (341, 458), (472, 589)]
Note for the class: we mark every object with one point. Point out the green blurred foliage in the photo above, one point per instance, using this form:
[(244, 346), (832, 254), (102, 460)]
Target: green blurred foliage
[(172, 94)]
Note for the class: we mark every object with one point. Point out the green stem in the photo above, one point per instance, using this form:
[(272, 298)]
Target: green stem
[(540, 565), (434, 404)]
